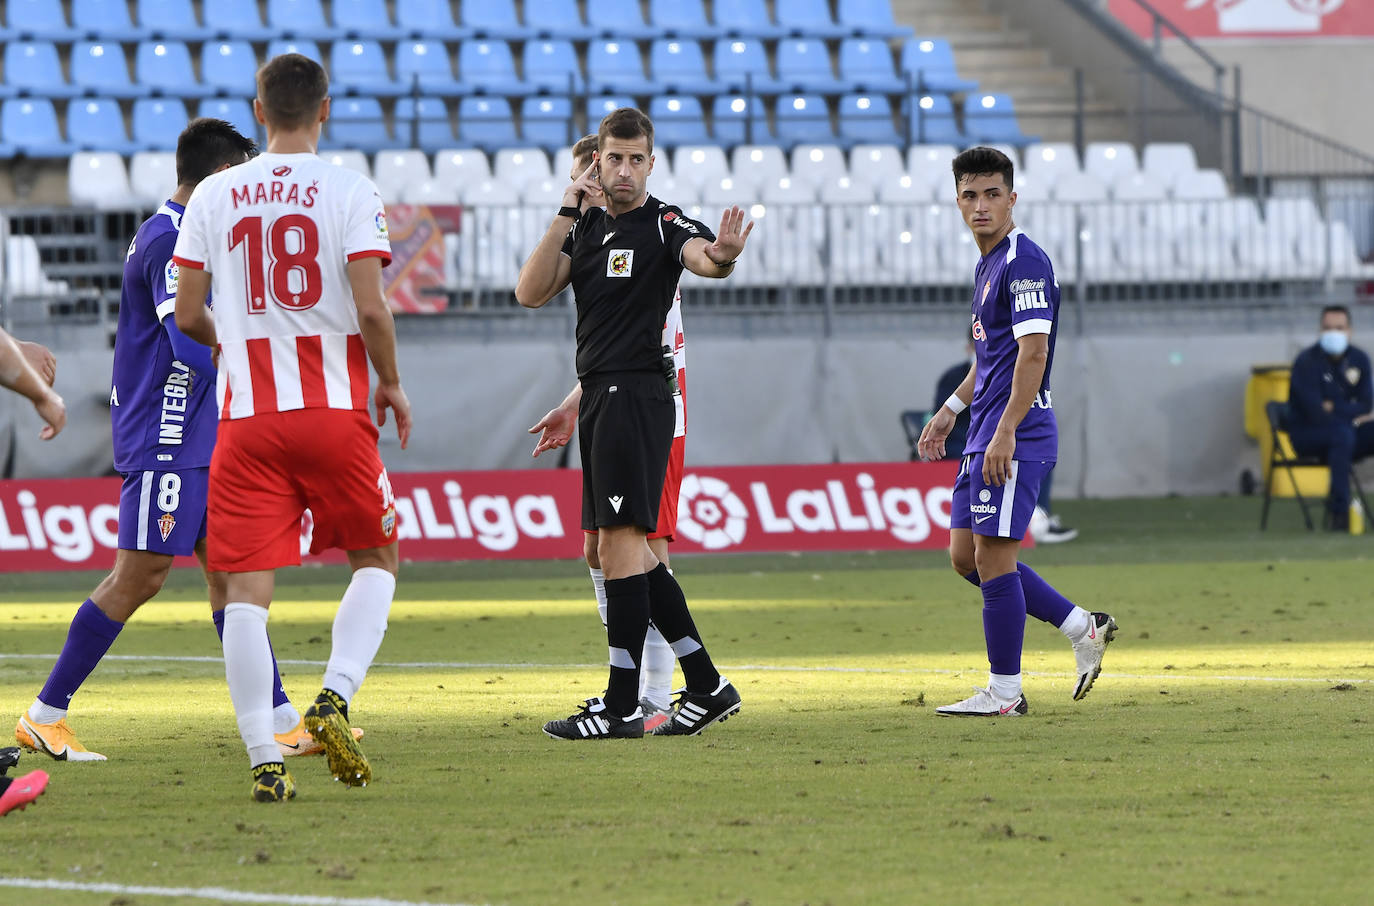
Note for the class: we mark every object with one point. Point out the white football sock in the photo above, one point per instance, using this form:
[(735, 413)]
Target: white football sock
[(359, 626), (285, 717), (40, 713), (1003, 686), (248, 668), (1076, 624), (599, 586), (656, 669)]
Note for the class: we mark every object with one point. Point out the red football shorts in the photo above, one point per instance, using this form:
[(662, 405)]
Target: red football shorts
[(267, 469), (672, 486)]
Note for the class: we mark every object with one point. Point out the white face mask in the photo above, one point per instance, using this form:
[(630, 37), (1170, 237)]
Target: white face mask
[(1333, 342)]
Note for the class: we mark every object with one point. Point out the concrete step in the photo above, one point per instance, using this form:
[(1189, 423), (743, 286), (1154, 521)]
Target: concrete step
[(971, 58), (945, 24), (965, 40)]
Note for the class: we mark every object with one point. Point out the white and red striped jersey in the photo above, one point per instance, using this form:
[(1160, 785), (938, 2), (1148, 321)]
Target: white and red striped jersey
[(673, 339), (276, 234)]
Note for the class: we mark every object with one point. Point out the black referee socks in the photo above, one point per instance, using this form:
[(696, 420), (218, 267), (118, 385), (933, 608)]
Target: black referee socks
[(668, 610), (627, 622)]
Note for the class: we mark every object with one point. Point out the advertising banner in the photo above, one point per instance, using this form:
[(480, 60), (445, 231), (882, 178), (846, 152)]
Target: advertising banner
[(417, 256), (1253, 18), (53, 524)]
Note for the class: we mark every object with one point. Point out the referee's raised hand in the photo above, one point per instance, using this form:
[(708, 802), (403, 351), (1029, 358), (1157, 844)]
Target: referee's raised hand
[(731, 236), (585, 186)]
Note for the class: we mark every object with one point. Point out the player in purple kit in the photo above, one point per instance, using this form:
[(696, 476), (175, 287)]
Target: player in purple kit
[(1012, 442), (163, 418)]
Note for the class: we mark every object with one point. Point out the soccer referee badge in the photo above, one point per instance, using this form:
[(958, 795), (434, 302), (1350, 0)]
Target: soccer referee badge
[(620, 262)]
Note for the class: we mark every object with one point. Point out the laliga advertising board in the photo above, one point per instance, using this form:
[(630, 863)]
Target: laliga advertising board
[(73, 523)]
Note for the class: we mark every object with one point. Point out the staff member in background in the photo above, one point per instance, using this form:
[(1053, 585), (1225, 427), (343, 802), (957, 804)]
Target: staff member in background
[(1329, 408)]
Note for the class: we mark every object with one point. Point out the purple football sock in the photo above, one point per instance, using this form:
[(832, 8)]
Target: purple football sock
[(90, 636), (278, 690), (1042, 601), (1004, 623)]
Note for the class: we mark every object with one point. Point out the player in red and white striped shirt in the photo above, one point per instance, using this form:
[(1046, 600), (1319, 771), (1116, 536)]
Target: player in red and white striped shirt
[(295, 247)]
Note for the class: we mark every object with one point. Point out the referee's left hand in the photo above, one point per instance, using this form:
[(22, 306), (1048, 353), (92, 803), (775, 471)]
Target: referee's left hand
[(555, 429), (731, 236)]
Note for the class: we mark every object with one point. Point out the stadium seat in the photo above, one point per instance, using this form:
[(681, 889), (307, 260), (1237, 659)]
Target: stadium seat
[(678, 120), (100, 68), (359, 67), (697, 166), (621, 20), (487, 67), (741, 66), (97, 124), (541, 195), (461, 166), (236, 20), (930, 164), (98, 179), (876, 164), (303, 19), (803, 118), (680, 19), (547, 122), (1080, 188), (870, 19), (992, 118), (1138, 187), (867, 67), (551, 66), (429, 20), (486, 123), (358, 123), (1292, 216), (423, 123), (430, 192), (806, 18), (105, 20), (304, 48), (1048, 161), (229, 68), (1110, 161), (562, 161), (396, 171), (237, 112), (33, 67), (845, 190), (931, 63), (494, 20), (518, 167), (152, 177), (1200, 185), (1232, 216), (739, 119), (679, 67), (350, 159), (425, 66), (164, 68), (29, 125), (556, 20), (814, 165), (900, 189), (171, 20), (744, 19), (1010, 151), (35, 20), (1166, 160), (157, 122), (931, 121), (364, 20), (803, 66), (598, 107), (854, 246), (615, 66), (754, 165), (866, 118)]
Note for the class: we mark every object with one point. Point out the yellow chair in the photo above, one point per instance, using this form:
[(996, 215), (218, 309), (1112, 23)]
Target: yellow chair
[(1283, 456)]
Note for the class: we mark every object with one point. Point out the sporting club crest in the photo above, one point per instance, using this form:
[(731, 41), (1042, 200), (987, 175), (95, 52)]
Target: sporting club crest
[(165, 523)]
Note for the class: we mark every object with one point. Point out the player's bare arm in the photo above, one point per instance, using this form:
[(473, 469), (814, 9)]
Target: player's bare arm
[(19, 375), (717, 259), (378, 330), (931, 445), (547, 271), (41, 358), (556, 428), (193, 316), (1032, 354)]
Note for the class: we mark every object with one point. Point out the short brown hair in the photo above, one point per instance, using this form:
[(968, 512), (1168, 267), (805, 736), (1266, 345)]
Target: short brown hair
[(625, 122), (291, 88), (982, 162), (585, 146)]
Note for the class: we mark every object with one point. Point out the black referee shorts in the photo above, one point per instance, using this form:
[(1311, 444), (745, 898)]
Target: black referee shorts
[(625, 430)]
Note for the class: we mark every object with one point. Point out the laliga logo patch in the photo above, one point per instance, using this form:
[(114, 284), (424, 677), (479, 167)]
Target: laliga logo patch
[(380, 220), (389, 521), (710, 514), (172, 276), (620, 263), (165, 523)]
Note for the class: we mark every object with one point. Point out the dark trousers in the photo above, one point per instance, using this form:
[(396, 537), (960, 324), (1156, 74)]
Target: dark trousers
[(1340, 444)]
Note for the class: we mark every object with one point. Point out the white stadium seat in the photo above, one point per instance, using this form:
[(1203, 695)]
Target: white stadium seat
[(431, 191), (1167, 160), (755, 165), (1051, 160), (153, 176), (546, 193), (1200, 185), (24, 274), (696, 165), (459, 166), (1265, 252), (1292, 216), (876, 164), (846, 190), (1110, 161), (353, 160), (1137, 186), (905, 190), (395, 171), (1079, 188), (930, 164), (98, 178), (1206, 254), (815, 164), (1012, 154), (517, 167)]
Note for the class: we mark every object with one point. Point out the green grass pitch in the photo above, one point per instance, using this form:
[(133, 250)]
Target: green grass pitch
[(1225, 756)]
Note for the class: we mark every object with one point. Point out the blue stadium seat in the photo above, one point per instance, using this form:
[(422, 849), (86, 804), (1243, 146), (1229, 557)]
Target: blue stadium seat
[(237, 112), (427, 62), (494, 20), (164, 67), (804, 67), (100, 68), (680, 67), (429, 20), (742, 66), (867, 66), (678, 120), (364, 20), (870, 19), (931, 121), (614, 66), (740, 120), (423, 123), (33, 67), (621, 20), (557, 19), (551, 66), (359, 67), (488, 67), (97, 124), (745, 19), (299, 19), (172, 20), (867, 119), (598, 107), (486, 123), (547, 122), (29, 126), (807, 18), (681, 19), (158, 122), (803, 119), (105, 20), (991, 118), (229, 68), (35, 20), (931, 61), (237, 20), (304, 48), (357, 123)]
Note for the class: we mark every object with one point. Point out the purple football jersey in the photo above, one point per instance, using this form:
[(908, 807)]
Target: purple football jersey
[(1015, 294), (162, 412)]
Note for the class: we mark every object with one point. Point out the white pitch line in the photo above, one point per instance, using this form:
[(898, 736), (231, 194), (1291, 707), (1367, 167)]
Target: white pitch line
[(763, 668), (210, 893)]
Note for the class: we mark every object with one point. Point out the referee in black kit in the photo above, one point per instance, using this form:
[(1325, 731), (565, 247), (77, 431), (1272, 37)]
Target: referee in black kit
[(624, 263)]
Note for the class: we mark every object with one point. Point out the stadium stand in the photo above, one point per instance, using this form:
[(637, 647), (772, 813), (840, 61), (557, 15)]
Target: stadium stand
[(229, 68), (678, 120), (424, 67), (32, 67), (867, 66), (302, 19), (236, 111), (741, 65), (171, 19), (424, 123), (745, 19), (29, 126), (681, 19), (931, 63), (35, 20), (157, 122), (488, 67), (107, 20), (870, 19), (357, 123), (494, 20), (152, 177), (429, 20), (808, 18), (97, 124), (556, 19), (547, 122), (679, 67), (359, 67), (551, 66), (866, 118), (740, 119), (236, 20), (399, 171), (803, 118), (98, 178), (486, 123), (164, 68), (365, 19)]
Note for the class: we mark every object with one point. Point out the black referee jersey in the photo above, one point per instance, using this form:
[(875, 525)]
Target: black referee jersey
[(625, 272)]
